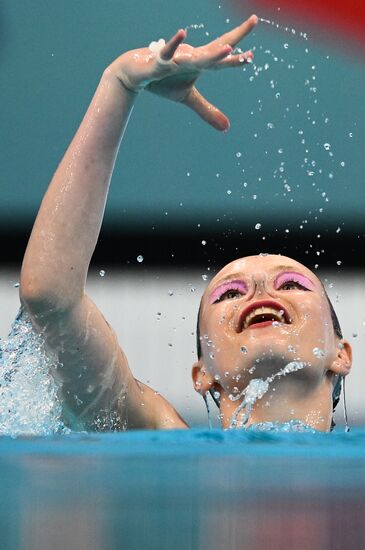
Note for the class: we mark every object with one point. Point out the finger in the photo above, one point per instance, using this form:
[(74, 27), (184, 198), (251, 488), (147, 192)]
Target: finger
[(210, 56), (167, 52), (206, 110), (234, 60), (234, 36)]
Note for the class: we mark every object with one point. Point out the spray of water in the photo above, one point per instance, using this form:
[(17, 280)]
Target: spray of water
[(255, 390), (29, 393), (205, 397)]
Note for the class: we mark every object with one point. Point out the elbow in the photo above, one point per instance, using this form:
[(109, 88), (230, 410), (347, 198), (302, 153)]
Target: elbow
[(44, 300), (36, 300)]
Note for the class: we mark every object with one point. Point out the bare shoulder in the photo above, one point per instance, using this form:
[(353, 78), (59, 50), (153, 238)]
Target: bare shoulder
[(148, 409)]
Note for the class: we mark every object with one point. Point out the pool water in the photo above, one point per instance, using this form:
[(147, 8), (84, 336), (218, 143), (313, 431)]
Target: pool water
[(184, 490)]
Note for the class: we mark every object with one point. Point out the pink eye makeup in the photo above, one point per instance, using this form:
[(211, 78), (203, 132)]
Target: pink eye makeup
[(293, 277), (239, 286)]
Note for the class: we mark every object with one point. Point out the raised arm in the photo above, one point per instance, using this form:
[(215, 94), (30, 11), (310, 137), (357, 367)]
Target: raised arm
[(95, 373)]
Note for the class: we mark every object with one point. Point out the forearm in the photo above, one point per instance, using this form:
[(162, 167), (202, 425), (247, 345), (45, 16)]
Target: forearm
[(68, 223)]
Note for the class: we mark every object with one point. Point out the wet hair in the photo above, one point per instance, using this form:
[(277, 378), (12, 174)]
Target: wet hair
[(336, 393)]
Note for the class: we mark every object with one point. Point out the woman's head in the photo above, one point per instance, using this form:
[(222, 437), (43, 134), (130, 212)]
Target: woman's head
[(260, 313)]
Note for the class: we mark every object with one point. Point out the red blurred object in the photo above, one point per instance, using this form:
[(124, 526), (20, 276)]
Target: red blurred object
[(334, 19)]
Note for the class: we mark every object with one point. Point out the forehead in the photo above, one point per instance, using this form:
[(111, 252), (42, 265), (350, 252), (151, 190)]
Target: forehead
[(263, 265)]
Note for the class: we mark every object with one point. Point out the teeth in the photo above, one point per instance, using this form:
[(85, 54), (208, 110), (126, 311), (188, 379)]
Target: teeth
[(279, 315)]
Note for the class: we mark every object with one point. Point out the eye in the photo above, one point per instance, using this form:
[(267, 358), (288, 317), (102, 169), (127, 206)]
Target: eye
[(293, 281), (230, 290), (292, 285), (229, 295)]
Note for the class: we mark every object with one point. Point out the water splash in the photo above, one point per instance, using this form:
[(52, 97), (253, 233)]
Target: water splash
[(347, 427), (256, 389), (29, 402), (205, 397), (290, 426), (301, 34)]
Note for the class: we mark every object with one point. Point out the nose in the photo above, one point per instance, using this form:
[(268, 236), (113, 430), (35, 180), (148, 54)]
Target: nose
[(261, 287)]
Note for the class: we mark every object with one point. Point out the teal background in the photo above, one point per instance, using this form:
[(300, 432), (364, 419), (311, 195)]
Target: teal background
[(52, 55)]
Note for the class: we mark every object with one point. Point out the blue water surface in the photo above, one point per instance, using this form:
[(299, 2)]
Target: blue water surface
[(183, 489)]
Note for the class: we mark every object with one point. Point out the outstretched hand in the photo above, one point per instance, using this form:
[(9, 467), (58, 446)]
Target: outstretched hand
[(172, 71)]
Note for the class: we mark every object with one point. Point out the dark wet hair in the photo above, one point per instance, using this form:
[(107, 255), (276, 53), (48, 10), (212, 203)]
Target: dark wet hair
[(336, 393)]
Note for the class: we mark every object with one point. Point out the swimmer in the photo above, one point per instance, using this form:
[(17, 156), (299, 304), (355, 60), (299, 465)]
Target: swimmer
[(258, 314)]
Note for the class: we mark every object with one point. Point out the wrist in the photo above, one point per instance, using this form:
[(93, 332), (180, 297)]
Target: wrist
[(123, 81)]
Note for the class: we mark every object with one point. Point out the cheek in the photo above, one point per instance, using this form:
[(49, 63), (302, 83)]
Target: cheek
[(219, 339), (316, 328)]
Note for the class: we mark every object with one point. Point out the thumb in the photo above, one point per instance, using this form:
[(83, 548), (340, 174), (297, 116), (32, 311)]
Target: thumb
[(208, 112)]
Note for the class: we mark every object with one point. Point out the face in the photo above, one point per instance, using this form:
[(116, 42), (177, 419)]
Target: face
[(260, 313)]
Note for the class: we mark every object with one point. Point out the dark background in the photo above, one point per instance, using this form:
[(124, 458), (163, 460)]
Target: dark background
[(177, 181)]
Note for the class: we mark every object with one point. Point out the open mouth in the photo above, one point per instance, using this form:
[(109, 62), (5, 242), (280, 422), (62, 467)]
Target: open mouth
[(261, 314)]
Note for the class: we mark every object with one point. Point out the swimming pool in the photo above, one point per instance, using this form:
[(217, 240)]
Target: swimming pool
[(183, 490)]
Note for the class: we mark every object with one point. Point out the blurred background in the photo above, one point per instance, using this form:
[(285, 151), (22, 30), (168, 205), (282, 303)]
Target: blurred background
[(287, 178)]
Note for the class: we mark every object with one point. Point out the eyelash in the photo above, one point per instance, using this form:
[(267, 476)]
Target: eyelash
[(291, 280), (224, 295)]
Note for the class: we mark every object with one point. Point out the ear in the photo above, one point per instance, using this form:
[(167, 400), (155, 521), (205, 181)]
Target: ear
[(343, 361), (203, 381)]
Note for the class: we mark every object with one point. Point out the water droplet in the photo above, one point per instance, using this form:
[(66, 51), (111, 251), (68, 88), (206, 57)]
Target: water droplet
[(286, 46), (229, 192), (216, 395), (338, 229), (205, 277), (258, 226), (244, 350), (354, 335), (318, 352), (338, 262), (16, 285), (342, 163), (102, 273), (270, 125), (217, 377), (140, 258), (327, 146), (238, 154), (170, 345)]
